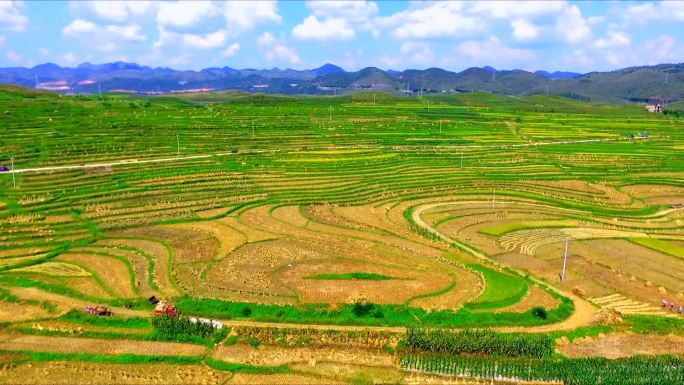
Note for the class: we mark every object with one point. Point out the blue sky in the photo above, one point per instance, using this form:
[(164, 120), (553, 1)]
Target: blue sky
[(555, 35)]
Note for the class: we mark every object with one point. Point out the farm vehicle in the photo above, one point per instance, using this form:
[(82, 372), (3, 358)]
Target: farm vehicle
[(162, 308), (99, 310)]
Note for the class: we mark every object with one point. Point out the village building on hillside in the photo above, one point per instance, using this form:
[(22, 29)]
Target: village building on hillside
[(655, 108)]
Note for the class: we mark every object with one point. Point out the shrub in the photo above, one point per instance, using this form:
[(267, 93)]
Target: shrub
[(539, 312)]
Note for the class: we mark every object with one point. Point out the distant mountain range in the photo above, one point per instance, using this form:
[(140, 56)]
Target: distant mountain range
[(638, 84)]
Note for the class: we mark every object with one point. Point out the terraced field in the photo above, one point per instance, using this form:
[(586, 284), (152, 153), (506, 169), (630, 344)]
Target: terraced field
[(462, 209)]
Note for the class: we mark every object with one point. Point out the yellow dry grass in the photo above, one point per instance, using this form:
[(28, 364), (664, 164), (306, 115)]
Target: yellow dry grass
[(56, 268), (110, 270)]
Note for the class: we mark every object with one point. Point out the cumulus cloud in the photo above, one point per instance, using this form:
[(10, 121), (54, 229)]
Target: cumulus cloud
[(120, 10), (613, 39), (493, 52), (127, 32), (328, 29), (524, 30), (2, 40), (662, 49), (647, 12), (231, 50), (247, 14), (11, 17), (67, 59), (184, 13), (103, 38), (13, 57), (516, 9), (431, 20), (206, 41), (571, 26), (78, 27), (209, 40), (336, 20), (276, 50)]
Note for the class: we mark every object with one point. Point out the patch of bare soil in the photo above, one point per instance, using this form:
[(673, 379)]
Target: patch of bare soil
[(623, 345), (59, 373)]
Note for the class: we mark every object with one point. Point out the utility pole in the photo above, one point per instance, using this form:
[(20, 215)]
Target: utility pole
[(440, 127), (252, 130), (99, 90), (14, 178), (177, 144), (493, 199), (373, 100), (329, 114), (461, 159), (428, 104), (565, 259)]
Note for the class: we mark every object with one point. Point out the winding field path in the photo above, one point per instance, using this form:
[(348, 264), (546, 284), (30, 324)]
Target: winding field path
[(583, 315)]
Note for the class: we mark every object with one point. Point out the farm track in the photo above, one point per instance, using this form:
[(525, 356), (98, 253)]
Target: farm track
[(255, 151), (20, 342), (584, 313)]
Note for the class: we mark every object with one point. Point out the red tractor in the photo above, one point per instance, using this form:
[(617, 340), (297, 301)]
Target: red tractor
[(163, 309)]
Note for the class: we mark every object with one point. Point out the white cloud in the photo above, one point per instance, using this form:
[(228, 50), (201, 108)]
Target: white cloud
[(571, 26), (231, 50), (329, 29), (662, 49), (184, 13), (524, 30), (2, 41), (13, 57), (127, 32), (103, 38), (247, 14), (207, 41), (11, 17), (646, 12), (516, 9), (613, 39), (44, 52), (431, 20), (351, 10), (275, 50), (78, 27), (119, 10), (417, 53), (67, 59), (193, 41), (493, 52)]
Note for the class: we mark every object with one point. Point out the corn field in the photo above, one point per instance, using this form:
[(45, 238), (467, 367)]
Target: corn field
[(484, 342), (660, 370)]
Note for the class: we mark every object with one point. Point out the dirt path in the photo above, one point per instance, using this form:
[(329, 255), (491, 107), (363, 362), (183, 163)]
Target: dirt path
[(584, 313), (393, 148), (64, 303), (9, 341)]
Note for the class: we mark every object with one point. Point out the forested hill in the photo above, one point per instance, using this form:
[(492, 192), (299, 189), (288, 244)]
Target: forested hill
[(663, 82)]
